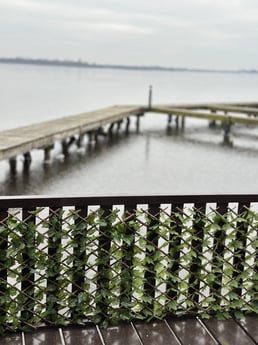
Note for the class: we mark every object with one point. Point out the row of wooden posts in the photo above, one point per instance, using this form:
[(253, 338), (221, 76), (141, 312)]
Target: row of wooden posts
[(78, 140)]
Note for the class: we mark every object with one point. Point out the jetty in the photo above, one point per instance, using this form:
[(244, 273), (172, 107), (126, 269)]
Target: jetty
[(72, 129)]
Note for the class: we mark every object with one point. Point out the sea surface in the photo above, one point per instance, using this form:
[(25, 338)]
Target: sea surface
[(155, 161)]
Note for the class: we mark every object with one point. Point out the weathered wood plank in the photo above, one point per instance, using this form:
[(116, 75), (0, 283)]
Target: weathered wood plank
[(190, 331), (82, 336), (123, 334), (250, 325), (43, 337), (228, 332), (208, 116), (234, 109), (11, 339), (155, 333)]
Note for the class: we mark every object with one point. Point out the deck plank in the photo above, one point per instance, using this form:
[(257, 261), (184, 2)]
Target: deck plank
[(228, 332), (190, 331), (43, 337), (81, 336), (250, 325), (12, 339), (156, 333), (123, 334)]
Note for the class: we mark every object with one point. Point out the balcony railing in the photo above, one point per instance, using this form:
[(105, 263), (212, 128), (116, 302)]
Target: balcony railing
[(104, 260)]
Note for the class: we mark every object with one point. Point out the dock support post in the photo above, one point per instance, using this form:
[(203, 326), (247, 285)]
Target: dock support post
[(119, 125), (65, 147), (127, 125), (138, 123), (183, 122), (150, 97), (212, 123), (177, 122), (96, 137), (110, 129), (101, 131), (13, 165), (169, 119), (226, 138), (93, 137), (27, 160), (47, 154), (79, 141)]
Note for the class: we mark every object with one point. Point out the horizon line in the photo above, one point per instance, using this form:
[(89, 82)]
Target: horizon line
[(85, 64)]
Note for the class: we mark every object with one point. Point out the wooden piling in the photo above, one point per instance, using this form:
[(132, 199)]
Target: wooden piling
[(118, 125), (137, 123), (65, 148), (27, 157), (47, 154), (13, 165), (110, 129), (183, 122), (227, 137), (127, 125), (150, 97), (27, 160), (177, 122), (79, 140)]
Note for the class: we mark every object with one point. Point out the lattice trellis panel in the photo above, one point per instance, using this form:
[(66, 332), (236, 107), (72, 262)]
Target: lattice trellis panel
[(117, 263)]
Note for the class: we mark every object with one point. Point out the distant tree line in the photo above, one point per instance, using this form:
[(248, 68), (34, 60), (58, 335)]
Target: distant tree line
[(83, 64)]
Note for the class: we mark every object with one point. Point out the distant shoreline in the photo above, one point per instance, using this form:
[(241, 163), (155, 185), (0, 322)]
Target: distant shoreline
[(81, 64)]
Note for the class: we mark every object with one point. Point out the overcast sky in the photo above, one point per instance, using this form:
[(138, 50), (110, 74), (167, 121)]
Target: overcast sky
[(179, 33)]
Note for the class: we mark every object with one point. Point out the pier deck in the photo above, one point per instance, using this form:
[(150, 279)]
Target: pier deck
[(21, 141)]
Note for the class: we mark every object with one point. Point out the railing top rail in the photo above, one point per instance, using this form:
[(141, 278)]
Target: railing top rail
[(57, 201)]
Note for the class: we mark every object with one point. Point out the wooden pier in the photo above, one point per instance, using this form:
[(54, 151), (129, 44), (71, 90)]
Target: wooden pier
[(21, 141), (70, 129)]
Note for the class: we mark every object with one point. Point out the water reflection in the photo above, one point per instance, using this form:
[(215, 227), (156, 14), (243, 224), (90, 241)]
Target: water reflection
[(31, 177)]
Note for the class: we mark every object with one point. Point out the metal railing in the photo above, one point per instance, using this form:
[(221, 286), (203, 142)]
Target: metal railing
[(111, 259)]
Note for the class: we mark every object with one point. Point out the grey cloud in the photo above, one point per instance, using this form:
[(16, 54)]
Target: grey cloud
[(198, 33)]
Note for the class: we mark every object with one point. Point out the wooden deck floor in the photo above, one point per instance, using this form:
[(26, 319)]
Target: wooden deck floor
[(168, 332)]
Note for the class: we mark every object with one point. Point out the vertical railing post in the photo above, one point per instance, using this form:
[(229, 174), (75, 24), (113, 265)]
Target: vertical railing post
[(152, 238), (3, 269), (196, 247), (79, 237), (53, 264), (103, 265), (175, 232), (240, 250), (126, 286), (218, 253), (28, 266)]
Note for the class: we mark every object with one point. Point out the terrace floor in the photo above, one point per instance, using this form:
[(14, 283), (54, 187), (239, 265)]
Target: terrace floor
[(167, 332)]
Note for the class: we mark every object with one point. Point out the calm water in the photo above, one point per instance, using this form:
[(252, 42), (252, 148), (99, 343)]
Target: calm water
[(152, 162)]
